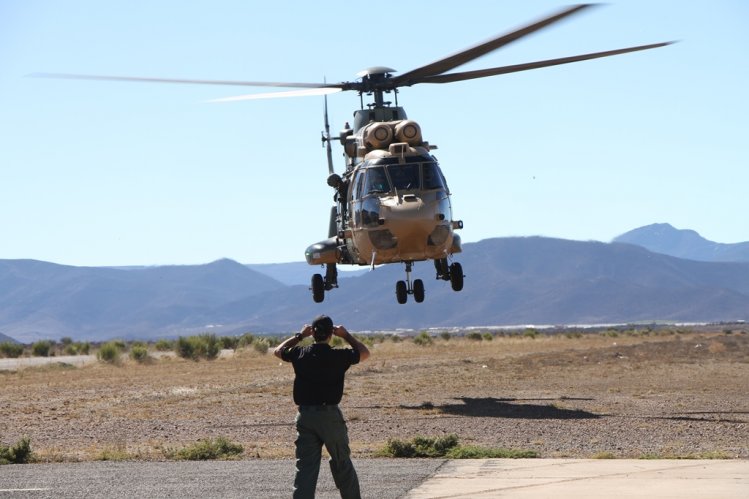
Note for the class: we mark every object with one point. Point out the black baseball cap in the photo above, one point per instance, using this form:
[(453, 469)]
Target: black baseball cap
[(322, 326)]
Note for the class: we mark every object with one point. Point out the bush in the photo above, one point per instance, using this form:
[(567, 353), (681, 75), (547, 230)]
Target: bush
[(164, 345), (139, 352), (423, 339), (261, 345), (487, 336), (19, 453), (41, 348), (445, 335), (448, 447), (421, 447), (11, 350), (83, 348), (209, 449), (474, 452), (530, 333), (474, 336), (246, 340), (109, 352), (195, 347), (229, 342)]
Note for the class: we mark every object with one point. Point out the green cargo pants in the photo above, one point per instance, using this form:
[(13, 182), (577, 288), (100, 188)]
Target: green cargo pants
[(317, 425)]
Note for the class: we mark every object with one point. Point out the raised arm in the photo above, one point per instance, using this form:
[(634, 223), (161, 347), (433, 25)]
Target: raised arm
[(293, 341), (357, 345)]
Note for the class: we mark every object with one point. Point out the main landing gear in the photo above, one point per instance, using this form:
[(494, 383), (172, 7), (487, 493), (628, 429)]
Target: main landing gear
[(320, 285), (452, 273)]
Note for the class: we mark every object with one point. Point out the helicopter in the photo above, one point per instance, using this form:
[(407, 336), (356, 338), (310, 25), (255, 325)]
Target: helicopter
[(391, 203)]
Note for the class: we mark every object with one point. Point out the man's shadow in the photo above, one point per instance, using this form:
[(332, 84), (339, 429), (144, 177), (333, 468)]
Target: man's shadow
[(490, 407)]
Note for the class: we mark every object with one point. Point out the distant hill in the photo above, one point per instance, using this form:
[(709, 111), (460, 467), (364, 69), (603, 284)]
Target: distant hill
[(531, 280), (684, 243), (43, 300), (6, 339)]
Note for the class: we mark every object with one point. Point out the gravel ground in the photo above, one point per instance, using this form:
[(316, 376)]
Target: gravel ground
[(664, 395)]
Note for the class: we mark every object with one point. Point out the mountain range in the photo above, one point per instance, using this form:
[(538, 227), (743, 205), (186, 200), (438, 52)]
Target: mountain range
[(522, 280), (684, 243)]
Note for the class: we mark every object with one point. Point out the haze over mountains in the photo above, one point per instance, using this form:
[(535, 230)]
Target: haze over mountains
[(528, 280)]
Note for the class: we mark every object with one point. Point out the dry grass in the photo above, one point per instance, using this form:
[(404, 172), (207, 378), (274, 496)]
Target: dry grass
[(628, 396)]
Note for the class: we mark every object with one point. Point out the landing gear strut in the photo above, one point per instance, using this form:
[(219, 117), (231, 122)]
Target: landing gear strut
[(405, 288), (320, 285), (452, 272)]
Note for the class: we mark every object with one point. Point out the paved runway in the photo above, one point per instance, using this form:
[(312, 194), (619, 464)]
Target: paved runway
[(387, 478)]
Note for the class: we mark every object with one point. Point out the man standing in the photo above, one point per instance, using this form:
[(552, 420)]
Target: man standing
[(318, 387)]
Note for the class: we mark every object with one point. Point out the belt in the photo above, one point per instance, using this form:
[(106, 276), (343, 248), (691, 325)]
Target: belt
[(317, 407)]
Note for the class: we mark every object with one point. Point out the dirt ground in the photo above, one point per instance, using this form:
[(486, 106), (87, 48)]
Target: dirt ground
[(662, 395)]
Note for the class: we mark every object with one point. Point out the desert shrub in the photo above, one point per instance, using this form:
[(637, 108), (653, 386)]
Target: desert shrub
[(487, 336), (139, 352), (246, 340), (423, 339), (109, 352), (530, 333), (445, 335), (164, 345), (204, 346), (474, 452), (448, 447), (184, 348), (474, 336), (336, 342), (66, 340), (41, 348), (19, 453), (420, 446), (229, 342), (11, 350), (209, 449), (70, 349), (261, 345)]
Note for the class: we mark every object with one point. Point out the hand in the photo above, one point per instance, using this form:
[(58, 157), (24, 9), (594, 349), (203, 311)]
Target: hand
[(307, 330), (340, 331)]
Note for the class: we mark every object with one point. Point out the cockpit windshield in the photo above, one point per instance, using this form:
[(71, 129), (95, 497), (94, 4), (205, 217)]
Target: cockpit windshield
[(386, 176), (433, 178), (376, 181), (405, 177)]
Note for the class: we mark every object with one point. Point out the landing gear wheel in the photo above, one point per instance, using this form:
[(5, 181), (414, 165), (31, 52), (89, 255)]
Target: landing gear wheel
[(418, 290), (401, 292), (318, 288), (456, 276)]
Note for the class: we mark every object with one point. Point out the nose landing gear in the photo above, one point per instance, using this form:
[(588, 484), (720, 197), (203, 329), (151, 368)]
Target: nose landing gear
[(405, 288)]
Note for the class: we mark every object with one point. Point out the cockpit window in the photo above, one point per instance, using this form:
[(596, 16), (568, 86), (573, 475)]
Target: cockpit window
[(377, 181), (433, 178), (405, 177)]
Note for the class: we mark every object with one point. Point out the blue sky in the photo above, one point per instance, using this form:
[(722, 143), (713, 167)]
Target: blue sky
[(103, 173)]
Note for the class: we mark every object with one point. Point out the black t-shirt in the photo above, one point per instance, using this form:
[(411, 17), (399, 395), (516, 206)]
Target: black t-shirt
[(320, 371)]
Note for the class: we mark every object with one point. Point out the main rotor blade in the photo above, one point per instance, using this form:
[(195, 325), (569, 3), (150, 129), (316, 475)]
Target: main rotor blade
[(455, 60), (482, 73), (279, 95), (187, 81), (329, 150)]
